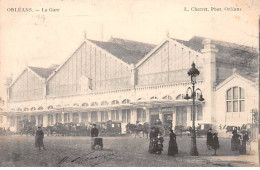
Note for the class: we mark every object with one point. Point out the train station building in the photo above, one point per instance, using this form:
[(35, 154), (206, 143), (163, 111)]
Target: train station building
[(128, 81)]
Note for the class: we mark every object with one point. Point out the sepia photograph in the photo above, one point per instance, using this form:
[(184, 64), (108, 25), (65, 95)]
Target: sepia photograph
[(133, 83)]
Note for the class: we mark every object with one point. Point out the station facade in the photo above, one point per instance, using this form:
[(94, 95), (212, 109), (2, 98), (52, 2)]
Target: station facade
[(128, 81)]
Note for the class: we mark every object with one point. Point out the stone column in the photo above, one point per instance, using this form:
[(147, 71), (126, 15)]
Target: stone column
[(148, 117), (89, 117), (62, 117), (80, 117), (98, 116), (36, 120), (109, 112), (45, 120), (120, 115), (160, 114), (173, 118), (133, 116)]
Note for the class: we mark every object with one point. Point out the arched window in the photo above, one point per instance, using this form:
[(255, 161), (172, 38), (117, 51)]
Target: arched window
[(126, 101), (25, 109), (180, 97), (114, 102), (76, 104), (50, 107), (154, 97), (85, 104), (94, 104), (40, 108), (33, 108), (235, 99), (103, 103), (167, 97), (19, 109)]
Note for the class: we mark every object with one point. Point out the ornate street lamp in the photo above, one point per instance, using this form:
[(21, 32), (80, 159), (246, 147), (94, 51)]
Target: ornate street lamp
[(193, 73)]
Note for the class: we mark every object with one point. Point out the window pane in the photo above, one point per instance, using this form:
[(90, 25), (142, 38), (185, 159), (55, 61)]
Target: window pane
[(102, 116), (117, 115), (124, 116), (199, 112), (235, 92), (242, 93), (128, 115), (229, 94), (229, 107), (235, 106), (242, 106)]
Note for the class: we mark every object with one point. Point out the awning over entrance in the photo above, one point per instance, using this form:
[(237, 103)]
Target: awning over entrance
[(137, 104)]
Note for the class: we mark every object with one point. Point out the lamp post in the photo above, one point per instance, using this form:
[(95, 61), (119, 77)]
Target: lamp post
[(193, 73)]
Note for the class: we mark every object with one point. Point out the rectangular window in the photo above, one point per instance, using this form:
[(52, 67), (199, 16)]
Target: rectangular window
[(139, 115), (58, 118), (242, 105), (242, 93), (229, 94), (229, 106), (106, 116), (65, 117), (93, 117), (235, 106), (199, 112), (124, 116), (235, 93), (102, 116), (128, 115), (84, 117), (113, 115)]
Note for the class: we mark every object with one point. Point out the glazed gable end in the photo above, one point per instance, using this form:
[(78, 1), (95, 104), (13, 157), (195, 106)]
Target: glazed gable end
[(168, 63), (89, 69), (27, 86)]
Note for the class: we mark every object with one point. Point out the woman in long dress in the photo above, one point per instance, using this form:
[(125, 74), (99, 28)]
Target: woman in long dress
[(173, 148), (215, 143), (243, 147)]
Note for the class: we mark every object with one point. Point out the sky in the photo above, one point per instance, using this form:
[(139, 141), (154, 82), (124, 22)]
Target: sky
[(44, 38)]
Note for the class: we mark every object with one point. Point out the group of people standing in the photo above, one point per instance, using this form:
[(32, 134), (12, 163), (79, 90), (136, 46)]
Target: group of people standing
[(212, 141), (236, 141), (155, 135)]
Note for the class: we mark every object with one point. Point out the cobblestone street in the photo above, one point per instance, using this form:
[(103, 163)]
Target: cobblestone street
[(118, 151)]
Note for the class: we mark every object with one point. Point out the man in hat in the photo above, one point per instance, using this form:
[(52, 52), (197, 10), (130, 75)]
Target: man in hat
[(209, 138), (94, 131), (39, 138)]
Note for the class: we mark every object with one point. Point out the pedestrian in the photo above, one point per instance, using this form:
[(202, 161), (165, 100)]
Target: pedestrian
[(209, 138), (173, 148), (94, 131), (153, 135), (215, 143), (243, 147), (39, 138), (235, 141)]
